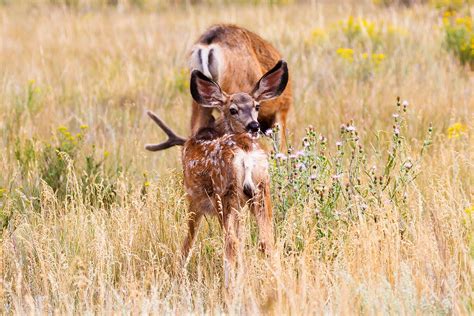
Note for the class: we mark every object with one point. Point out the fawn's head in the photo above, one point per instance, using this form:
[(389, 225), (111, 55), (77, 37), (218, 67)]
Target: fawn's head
[(240, 110)]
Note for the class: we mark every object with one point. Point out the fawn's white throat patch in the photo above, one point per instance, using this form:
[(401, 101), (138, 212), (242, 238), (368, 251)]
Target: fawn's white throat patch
[(250, 168)]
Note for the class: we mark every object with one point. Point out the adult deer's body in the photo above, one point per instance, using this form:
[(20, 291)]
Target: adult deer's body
[(236, 58), (224, 166)]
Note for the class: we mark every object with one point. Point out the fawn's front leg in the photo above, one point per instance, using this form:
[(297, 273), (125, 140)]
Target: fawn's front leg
[(261, 206)]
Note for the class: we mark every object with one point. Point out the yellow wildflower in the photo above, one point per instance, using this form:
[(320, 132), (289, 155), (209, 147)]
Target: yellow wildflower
[(378, 58), (466, 22), (68, 136), (470, 210), (448, 13), (396, 30), (369, 28), (106, 154), (146, 184), (317, 34), (346, 53), (456, 130), (62, 129), (83, 127)]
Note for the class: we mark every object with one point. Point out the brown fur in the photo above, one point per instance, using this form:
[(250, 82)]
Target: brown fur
[(246, 58), (224, 166), (215, 176), (214, 186)]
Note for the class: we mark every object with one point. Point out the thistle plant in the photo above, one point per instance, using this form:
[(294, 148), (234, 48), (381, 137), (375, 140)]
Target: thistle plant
[(339, 183)]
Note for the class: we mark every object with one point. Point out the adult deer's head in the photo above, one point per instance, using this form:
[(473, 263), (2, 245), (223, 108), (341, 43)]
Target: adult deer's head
[(239, 110)]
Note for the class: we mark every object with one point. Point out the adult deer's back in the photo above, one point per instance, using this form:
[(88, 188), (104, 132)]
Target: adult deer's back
[(236, 58)]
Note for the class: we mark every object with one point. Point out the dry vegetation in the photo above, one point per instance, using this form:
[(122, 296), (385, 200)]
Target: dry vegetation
[(91, 222)]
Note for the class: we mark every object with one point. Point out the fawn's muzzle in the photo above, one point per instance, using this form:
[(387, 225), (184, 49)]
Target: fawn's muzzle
[(253, 127)]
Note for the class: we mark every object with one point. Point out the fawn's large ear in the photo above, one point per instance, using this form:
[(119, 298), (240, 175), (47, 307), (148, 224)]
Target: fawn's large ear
[(273, 83), (206, 92)]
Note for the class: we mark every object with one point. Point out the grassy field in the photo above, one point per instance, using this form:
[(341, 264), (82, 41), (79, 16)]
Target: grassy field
[(376, 217)]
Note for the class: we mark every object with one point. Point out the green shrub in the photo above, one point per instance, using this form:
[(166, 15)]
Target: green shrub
[(69, 166), (55, 160)]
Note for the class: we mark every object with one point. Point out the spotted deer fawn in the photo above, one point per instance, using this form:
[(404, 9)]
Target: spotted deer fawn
[(236, 58), (224, 166)]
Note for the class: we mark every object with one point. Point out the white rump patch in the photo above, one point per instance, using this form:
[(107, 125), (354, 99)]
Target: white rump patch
[(201, 59)]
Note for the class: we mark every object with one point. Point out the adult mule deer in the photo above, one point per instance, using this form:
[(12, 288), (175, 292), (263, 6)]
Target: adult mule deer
[(224, 166), (236, 58)]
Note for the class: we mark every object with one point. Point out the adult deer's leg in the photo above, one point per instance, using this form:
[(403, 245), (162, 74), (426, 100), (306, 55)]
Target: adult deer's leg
[(261, 206), (194, 222)]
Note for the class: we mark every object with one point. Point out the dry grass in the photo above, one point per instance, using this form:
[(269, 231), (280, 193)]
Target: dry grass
[(104, 67)]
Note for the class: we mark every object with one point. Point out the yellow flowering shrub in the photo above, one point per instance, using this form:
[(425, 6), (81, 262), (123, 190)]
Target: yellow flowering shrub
[(68, 153), (459, 37), (358, 32)]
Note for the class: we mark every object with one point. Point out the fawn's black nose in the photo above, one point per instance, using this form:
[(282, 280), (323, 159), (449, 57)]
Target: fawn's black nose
[(253, 127)]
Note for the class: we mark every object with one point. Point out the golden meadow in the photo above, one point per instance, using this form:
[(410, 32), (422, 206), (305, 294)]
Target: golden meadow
[(374, 202)]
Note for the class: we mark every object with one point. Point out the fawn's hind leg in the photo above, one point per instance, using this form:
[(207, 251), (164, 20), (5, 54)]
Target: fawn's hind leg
[(231, 226)]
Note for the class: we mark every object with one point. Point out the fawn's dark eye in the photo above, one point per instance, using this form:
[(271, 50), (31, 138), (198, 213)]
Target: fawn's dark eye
[(233, 111), (257, 107)]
